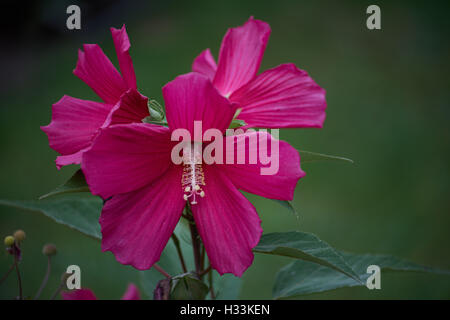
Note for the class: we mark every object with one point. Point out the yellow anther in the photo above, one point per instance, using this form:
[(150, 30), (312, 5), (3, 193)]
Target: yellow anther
[(9, 241)]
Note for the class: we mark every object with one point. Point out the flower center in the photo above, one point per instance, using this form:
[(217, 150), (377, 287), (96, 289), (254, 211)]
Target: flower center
[(193, 177)]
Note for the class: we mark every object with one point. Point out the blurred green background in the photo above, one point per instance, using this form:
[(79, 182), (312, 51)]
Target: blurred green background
[(387, 94)]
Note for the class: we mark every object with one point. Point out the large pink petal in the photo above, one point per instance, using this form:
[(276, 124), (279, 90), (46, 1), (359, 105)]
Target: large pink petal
[(79, 294), (282, 97), (122, 44), (227, 223), (205, 64), (137, 225), (132, 107), (280, 177), (97, 71), (192, 97), (74, 124), (240, 55), (74, 158), (132, 293), (124, 158)]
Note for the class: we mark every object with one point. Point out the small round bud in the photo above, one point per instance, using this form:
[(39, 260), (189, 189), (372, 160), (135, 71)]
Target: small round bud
[(19, 235), (9, 241), (49, 250)]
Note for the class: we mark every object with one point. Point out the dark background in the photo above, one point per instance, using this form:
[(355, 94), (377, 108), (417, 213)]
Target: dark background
[(387, 94)]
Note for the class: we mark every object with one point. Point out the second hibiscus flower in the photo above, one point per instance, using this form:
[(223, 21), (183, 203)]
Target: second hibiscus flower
[(282, 97)]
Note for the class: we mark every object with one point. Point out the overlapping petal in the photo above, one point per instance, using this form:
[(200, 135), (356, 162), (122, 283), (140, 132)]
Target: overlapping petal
[(98, 72), (192, 97), (122, 45), (124, 158), (227, 223), (74, 124), (282, 97), (205, 64), (240, 55), (74, 158), (137, 225), (268, 167), (132, 107)]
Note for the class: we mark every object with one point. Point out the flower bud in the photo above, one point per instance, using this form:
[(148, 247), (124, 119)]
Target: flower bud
[(9, 241), (162, 290), (19, 235), (49, 249), (156, 110)]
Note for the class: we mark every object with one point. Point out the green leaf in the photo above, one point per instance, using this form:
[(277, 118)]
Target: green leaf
[(236, 123), (301, 277), (79, 211), (227, 286), (308, 156), (304, 246), (76, 183), (150, 120), (288, 205), (188, 287)]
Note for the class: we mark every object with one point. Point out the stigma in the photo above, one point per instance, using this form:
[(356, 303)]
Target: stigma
[(193, 178)]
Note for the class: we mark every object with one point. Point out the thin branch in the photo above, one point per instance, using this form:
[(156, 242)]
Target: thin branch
[(195, 247), (11, 268), (211, 288), (205, 271), (45, 280), (19, 280), (180, 253), (202, 260), (195, 239), (162, 271), (58, 290)]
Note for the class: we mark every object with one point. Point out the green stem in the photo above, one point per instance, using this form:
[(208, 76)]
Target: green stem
[(19, 280), (203, 256), (211, 288), (58, 290), (180, 253), (205, 271), (11, 268), (195, 247), (194, 238), (45, 280)]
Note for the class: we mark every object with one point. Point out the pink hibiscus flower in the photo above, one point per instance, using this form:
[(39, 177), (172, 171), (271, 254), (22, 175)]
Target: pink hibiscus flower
[(282, 97), (76, 122), (133, 164), (132, 293)]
